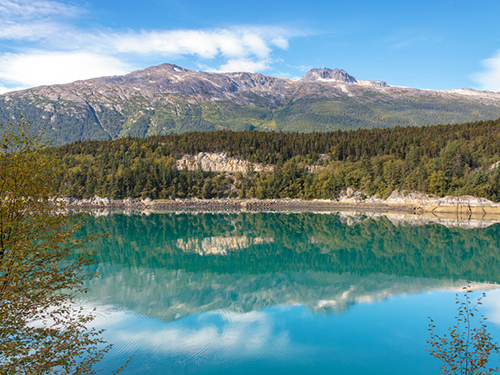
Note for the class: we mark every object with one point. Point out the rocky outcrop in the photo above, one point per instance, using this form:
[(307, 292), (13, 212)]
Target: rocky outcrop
[(411, 198), (464, 204), (222, 162), (351, 195), (219, 162), (107, 202), (494, 166)]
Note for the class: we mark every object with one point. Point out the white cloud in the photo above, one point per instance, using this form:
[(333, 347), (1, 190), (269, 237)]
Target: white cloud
[(237, 42), (244, 65), (92, 55), (489, 78), (57, 67)]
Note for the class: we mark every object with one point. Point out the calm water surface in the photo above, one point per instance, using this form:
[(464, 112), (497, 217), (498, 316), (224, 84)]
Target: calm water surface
[(268, 293)]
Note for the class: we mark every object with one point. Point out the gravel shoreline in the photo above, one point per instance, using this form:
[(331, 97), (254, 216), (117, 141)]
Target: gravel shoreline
[(284, 205), (349, 200), (242, 205)]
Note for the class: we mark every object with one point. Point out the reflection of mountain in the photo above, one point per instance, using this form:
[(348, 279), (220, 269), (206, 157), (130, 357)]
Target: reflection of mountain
[(168, 294), (154, 264)]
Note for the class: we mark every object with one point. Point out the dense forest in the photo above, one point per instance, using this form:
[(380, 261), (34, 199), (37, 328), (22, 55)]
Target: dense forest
[(441, 159)]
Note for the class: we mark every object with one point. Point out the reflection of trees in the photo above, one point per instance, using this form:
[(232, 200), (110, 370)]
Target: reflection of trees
[(301, 242)]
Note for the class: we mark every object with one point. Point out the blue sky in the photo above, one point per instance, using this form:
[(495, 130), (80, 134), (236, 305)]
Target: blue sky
[(424, 44)]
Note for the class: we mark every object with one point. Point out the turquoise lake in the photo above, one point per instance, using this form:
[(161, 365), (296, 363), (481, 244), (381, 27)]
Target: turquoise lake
[(284, 293)]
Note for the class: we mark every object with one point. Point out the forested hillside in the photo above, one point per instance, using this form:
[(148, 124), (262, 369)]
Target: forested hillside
[(442, 160)]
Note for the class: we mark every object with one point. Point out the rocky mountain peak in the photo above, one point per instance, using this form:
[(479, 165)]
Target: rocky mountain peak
[(338, 75)]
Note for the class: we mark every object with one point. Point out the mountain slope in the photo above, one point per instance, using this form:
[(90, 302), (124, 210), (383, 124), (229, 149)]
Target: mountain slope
[(169, 99)]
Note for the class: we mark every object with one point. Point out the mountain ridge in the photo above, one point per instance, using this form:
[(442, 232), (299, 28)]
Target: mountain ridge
[(167, 99)]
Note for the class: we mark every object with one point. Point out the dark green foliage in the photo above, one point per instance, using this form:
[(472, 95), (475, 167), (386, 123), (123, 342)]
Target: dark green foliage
[(441, 159)]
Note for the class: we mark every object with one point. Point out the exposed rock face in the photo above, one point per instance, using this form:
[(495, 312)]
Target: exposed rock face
[(326, 74), (495, 166), (314, 168), (466, 201), (421, 199), (411, 198), (351, 195), (219, 162)]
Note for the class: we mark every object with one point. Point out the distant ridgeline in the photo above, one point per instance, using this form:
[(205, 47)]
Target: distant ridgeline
[(443, 160), (168, 99)]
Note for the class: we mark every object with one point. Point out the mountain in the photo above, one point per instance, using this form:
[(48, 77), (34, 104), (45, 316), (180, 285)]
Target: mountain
[(168, 99), (337, 75)]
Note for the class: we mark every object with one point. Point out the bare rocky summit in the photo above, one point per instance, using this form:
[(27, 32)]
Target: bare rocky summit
[(327, 74)]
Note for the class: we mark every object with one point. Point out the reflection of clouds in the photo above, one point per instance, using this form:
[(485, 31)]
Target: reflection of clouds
[(491, 306), (224, 337), (224, 334), (219, 245)]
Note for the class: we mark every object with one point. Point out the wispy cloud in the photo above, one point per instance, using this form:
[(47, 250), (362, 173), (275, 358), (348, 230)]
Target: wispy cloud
[(409, 37), (35, 9), (34, 19), (59, 52), (489, 77), (234, 42), (4, 89), (244, 65)]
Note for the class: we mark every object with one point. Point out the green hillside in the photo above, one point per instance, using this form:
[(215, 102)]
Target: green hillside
[(443, 160)]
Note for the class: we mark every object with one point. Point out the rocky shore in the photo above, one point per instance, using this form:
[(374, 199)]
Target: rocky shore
[(350, 199)]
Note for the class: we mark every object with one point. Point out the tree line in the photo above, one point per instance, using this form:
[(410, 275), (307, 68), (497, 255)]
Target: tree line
[(444, 160)]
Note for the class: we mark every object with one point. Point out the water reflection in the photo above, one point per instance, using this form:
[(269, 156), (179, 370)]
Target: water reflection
[(269, 293), (170, 266)]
